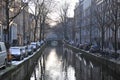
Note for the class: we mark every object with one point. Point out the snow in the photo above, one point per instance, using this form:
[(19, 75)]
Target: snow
[(19, 62)]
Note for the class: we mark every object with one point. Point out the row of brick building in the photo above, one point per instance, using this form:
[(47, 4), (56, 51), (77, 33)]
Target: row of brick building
[(21, 28), (97, 19)]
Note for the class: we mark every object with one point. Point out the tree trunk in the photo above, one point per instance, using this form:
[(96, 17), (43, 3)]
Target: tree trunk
[(36, 21), (103, 36), (65, 30), (115, 38), (40, 35), (43, 28), (80, 34), (7, 23), (35, 29), (90, 35), (24, 42)]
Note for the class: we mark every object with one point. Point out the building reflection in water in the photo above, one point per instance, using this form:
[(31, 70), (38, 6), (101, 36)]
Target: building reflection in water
[(54, 66), (63, 64)]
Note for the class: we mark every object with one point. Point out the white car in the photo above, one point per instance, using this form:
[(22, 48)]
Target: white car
[(16, 53), (41, 42), (34, 45), (29, 49), (38, 43), (3, 55), (24, 50)]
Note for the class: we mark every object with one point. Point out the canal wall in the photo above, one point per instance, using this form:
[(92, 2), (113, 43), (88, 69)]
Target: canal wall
[(23, 70), (113, 65)]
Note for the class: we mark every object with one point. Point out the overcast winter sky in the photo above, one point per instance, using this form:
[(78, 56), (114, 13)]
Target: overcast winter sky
[(72, 5), (54, 14)]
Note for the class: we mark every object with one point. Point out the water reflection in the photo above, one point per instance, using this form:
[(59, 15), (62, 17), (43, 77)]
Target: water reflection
[(60, 63), (85, 69), (54, 68)]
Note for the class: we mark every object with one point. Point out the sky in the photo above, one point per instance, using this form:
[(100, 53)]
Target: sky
[(60, 2), (54, 15), (71, 8), (72, 5)]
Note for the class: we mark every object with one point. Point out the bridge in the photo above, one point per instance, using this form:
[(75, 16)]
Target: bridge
[(53, 38)]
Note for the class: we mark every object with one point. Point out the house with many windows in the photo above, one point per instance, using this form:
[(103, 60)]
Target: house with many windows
[(98, 22), (84, 22), (21, 27)]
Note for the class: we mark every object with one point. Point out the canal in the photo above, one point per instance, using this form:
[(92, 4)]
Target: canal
[(61, 63)]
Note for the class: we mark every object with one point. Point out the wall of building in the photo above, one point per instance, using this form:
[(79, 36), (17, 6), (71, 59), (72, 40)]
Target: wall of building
[(87, 24), (83, 21), (23, 21)]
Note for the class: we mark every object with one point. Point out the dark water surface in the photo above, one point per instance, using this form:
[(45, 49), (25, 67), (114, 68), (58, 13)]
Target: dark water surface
[(60, 63)]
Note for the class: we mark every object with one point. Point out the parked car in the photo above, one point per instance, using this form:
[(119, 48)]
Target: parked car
[(81, 46), (41, 42), (3, 55), (77, 45), (71, 42), (86, 46), (29, 49), (115, 55), (38, 44), (24, 50), (16, 53), (94, 49), (34, 45)]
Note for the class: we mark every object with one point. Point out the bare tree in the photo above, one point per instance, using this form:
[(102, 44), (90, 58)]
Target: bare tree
[(114, 16), (100, 12), (36, 3), (42, 9), (9, 4), (43, 14), (47, 8), (63, 18)]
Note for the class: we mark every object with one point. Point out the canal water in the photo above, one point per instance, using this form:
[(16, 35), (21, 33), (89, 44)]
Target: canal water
[(61, 63)]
